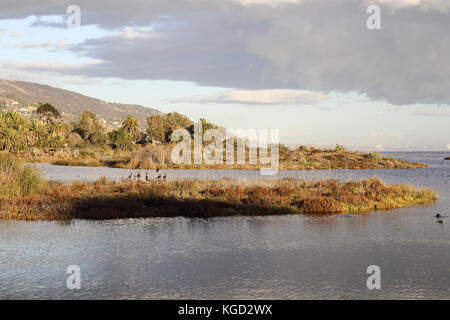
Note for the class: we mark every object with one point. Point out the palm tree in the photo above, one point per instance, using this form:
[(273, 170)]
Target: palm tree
[(14, 120), (131, 126), (55, 141), (10, 140), (124, 141), (38, 133)]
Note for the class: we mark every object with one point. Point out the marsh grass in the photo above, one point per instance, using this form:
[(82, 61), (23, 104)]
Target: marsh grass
[(18, 179), (106, 199)]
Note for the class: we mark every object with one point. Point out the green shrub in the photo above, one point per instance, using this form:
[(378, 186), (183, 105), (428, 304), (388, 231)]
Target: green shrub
[(339, 148), (373, 155)]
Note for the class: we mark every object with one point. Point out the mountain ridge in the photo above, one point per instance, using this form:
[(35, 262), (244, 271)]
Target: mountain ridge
[(25, 96)]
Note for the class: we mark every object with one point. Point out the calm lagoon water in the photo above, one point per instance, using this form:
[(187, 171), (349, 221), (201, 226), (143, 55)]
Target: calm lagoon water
[(287, 257)]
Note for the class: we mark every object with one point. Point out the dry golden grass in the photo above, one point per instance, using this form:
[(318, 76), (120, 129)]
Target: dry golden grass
[(197, 198)]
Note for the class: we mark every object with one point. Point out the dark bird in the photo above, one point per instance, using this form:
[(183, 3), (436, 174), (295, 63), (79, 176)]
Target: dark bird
[(147, 178), (159, 177), (165, 176), (130, 176), (438, 215), (139, 175), (157, 170)]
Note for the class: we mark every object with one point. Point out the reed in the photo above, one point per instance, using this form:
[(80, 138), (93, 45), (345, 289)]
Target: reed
[(18, 179)]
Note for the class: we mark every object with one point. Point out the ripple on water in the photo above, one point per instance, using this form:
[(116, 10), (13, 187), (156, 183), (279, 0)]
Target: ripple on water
[(284, 257)]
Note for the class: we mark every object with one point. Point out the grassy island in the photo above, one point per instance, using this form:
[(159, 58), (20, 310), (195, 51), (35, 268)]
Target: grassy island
[(25, 195), (158, 156), (45, 137)]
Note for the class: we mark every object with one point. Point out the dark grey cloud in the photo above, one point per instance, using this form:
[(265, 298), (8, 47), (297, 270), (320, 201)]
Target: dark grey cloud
[(317, 45)]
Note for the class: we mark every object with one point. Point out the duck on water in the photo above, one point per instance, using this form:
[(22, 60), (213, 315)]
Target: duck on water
[(440, 218)]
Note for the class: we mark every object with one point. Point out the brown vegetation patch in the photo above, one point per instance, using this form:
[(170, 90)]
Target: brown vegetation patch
[(106, 199)]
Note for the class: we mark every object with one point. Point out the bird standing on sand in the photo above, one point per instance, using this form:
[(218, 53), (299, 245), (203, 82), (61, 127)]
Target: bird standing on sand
[(165, 177), (139, 175), (438, 215), (157, 170), (159, 177), (130, 176), (147, 178)]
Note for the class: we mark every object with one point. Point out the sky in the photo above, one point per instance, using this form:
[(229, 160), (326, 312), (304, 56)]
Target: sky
[(311, 68)]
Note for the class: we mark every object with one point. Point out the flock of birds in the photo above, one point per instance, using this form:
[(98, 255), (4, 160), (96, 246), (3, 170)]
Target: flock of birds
[(138, 176)]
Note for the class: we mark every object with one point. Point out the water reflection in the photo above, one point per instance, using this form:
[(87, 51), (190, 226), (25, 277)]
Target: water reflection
[(285, 257)]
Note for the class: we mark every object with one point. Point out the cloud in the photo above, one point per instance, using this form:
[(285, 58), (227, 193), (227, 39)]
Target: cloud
[(272, 3), (429, 113), (44, 66), (30, 45), (259, 97), (313, 45), (440, 5)]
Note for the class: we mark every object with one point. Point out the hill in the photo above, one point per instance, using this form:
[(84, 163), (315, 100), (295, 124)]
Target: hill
[(25, 97)]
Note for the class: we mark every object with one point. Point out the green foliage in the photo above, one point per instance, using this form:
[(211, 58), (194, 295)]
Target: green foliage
[(157, 128), (339, 148), (131, 126), (207, 125), (90, 129), (160, 127), (373, 155), (10, 140), (18, 133), (47, 112), (124, 141), (13, 128)]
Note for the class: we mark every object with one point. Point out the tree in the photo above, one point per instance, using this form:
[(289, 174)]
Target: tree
[(48, 113), (160, 127), (10, 140), (90, 129), (38, 133), (131, 126), (176, 120), (156, 128), (15, 121), (13, 131), (124, 141), (207, 125)]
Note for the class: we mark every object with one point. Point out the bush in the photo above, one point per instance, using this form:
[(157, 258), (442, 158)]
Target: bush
[(373, 156), (339, 148), (18, 179)]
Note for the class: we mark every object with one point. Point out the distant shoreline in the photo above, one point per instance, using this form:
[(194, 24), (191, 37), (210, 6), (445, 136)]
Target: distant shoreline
[(308, 159)]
